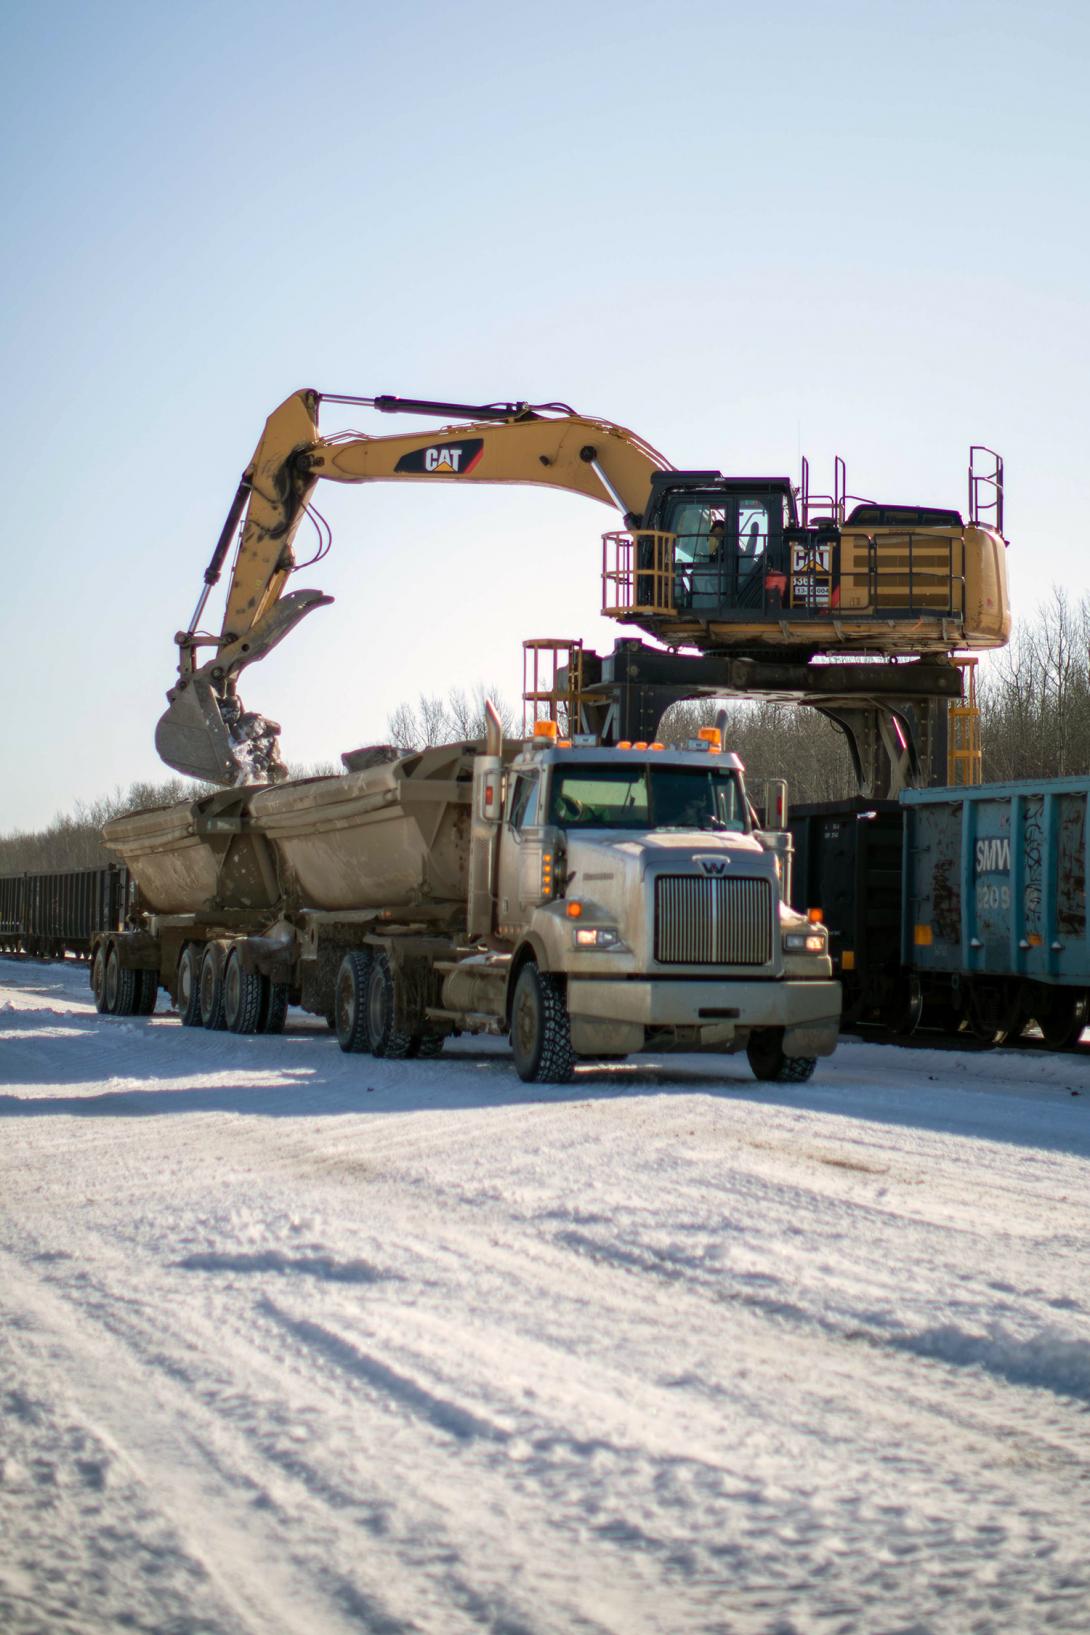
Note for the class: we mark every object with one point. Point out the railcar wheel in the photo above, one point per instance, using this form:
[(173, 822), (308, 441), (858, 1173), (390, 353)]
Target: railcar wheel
[(351, 1010), (1063, 1017), (905, 1007), (98, 978), (243, 995), (387, 1039), (770, 1065), (540, 1029), (993, 1010), (211, 987), (120, 986), (189, 986)]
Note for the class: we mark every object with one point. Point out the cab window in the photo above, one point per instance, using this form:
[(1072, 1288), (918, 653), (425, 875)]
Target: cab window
[(522, 810)]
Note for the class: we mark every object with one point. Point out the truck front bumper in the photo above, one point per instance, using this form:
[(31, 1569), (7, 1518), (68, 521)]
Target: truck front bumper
[(808, 1012)]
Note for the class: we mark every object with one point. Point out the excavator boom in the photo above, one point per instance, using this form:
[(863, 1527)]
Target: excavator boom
[(205, 732)]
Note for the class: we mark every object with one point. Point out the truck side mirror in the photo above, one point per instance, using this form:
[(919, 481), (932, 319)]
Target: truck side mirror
[(488, 790), (775, 804)]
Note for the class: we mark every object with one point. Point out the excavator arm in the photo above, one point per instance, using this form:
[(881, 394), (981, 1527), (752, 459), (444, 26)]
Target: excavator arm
[(205, 732)]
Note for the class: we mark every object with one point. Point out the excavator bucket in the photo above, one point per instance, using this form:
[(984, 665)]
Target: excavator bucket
[(206, 733), (192, 736)]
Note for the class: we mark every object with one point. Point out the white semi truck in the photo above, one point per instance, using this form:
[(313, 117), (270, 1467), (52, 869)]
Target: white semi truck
[(588, 902)]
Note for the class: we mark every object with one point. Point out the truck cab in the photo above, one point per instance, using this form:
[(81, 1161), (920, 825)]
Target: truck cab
[(636, 892)]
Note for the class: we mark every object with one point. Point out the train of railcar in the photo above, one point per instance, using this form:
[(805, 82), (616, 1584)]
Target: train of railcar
[(51, 915), (962, 909)]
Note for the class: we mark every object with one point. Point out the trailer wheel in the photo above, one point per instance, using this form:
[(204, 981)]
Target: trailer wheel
[(189, 986), (770, 1065), (147, 992), (540, 1029), (211, 988), (387, 1039), (426, 1046), (243, 995), (350, 1008), (120, 986), (274, 1012), (98, 977)]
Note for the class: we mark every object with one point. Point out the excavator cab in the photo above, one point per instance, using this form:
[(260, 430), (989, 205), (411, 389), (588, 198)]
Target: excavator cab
[(728, 565), (729, 556)]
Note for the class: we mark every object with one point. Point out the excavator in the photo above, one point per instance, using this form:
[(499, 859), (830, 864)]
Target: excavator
[(732, 570)]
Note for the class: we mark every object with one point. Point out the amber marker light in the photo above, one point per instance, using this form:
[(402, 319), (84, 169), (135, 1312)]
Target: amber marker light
[(815, 916), (712, 737), (573, 909), (546, 729)]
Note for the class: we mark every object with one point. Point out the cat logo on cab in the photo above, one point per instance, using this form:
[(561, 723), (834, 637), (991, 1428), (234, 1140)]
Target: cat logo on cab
[(443, 459)]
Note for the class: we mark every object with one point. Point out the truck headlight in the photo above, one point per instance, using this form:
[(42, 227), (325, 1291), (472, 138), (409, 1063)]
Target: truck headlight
[(596, 936), (804, 942)]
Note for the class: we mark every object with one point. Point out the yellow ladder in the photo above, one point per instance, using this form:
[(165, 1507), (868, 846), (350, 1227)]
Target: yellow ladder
[(964, 757)]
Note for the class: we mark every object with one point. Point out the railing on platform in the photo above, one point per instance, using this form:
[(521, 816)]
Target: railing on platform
[(907, 574)]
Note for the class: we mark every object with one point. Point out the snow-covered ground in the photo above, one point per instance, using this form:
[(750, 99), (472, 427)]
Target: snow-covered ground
[(297, 1343)]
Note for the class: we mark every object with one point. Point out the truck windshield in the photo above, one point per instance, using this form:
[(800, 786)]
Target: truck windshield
[(644, 797)]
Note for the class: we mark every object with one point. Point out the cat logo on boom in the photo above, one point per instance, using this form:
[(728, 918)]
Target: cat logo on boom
[(442, 459)]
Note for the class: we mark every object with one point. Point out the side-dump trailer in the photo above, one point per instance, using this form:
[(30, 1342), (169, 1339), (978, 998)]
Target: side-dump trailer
[(587, 901)]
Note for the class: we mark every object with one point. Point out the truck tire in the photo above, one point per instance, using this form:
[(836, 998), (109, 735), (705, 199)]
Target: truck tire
[(350, 1003), (98, 977), (189, 985), (147, 992), (243, 995), (275, 1010), (387, 1039), (770, 1065), (211, 988), (120, 986), (540, 1029)]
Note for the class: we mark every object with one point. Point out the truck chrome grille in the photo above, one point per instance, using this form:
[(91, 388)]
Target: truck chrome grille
[(701, 921)]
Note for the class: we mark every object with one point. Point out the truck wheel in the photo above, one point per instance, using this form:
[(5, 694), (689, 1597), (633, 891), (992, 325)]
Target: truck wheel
[(211, 988), (770, 1065), (243, 995), (120, 986), (350, 1006), (98, 977), (147, 992), (189, 986), (274, 1012), (540, 1029), (387, 1039)]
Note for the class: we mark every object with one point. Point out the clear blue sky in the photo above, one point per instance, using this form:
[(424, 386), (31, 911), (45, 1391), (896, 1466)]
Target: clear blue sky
[(737, 229)]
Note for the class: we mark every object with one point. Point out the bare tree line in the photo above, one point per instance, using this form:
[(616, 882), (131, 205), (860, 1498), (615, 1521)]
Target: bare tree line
[(1034, 700)]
